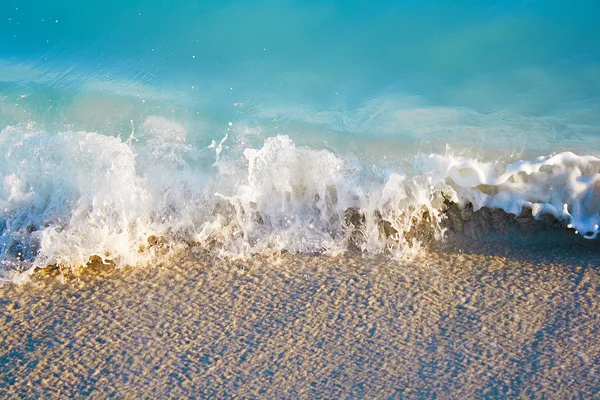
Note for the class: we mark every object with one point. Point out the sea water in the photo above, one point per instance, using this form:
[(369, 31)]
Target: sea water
[(132, 129)]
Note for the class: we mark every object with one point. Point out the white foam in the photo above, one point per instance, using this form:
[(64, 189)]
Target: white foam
[(66, 197), (564, 185), (295, 199), (69, 196)]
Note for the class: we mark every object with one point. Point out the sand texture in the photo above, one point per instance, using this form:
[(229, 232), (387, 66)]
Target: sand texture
[(448, 325)]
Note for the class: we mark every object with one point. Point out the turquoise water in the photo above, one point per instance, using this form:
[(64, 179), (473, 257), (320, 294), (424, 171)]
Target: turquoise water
[(295, 60), (142, 89)]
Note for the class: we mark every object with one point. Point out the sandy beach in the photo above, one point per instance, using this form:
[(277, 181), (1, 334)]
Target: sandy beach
[(448, 325)]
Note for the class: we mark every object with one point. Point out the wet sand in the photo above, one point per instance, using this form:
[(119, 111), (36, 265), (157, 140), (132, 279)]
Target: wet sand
[(491, 323)]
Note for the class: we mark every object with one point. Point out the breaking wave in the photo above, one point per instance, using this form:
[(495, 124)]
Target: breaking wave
[(72, 197)]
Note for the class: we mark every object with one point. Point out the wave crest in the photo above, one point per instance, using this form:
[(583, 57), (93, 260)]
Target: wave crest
[(68, 198)]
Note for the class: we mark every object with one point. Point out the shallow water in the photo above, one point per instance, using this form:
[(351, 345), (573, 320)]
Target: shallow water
[(133, 131)]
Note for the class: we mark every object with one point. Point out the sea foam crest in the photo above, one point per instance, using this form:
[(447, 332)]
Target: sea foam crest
[(565, 185), (67, 197), (296, 199)]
